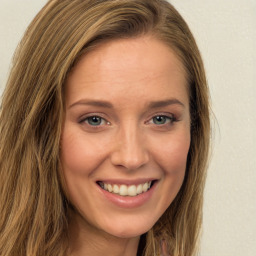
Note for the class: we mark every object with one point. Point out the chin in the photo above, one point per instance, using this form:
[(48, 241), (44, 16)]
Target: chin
[(129, 228)]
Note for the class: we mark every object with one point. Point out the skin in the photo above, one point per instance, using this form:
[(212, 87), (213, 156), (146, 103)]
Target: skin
[(126, 144)]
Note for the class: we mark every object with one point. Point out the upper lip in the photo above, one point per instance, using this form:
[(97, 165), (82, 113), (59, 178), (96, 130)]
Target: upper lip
[(126, 182)]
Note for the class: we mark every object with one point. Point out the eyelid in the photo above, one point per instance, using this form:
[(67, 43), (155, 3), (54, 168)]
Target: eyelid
[(171, 116), (85, 117)]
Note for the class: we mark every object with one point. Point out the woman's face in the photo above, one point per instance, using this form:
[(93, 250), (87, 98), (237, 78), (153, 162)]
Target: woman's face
[(126, 135)]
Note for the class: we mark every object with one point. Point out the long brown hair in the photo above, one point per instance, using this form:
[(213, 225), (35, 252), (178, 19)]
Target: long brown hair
[(32, 203)]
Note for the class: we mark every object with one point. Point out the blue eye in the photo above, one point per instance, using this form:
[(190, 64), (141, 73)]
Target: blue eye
[(94, 120), (161, 120)]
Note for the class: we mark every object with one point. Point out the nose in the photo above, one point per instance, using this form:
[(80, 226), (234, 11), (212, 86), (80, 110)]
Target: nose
[(129, 149)]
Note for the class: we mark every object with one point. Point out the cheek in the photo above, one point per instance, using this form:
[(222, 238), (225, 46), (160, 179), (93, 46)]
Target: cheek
[(80, 155), (172, 158), (175, 169), (172, 154)]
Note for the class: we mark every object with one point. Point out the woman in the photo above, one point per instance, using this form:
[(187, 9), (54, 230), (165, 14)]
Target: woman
[(104, 132)]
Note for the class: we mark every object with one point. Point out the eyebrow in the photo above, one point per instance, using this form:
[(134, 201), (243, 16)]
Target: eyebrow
[(164, 103), (106, 104), (96, 103)]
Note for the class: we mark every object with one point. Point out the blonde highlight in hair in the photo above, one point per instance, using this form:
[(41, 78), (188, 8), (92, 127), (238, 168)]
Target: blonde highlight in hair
[(33, 205)]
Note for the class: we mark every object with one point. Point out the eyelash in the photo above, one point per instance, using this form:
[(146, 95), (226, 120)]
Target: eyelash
[(86, 120), (170, 118)]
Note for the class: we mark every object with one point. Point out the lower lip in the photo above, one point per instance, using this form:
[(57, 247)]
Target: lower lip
[(129, 201)]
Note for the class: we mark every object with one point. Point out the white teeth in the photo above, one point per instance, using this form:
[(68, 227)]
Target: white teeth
[(139, 189), (145, 187), (110, 188), (124, 190), (116, 189), (132, 191)]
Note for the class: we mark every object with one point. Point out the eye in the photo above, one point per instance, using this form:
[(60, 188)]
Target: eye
[(94, 121), (162, 120)]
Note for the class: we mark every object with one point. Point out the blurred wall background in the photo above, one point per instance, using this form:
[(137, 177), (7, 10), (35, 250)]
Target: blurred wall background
[(226, 34)]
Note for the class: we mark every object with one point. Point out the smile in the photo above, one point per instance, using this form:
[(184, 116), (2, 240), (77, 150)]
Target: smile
[(126, 190)]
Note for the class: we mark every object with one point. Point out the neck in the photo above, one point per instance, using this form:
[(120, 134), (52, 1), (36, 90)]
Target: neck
[(85, 239)]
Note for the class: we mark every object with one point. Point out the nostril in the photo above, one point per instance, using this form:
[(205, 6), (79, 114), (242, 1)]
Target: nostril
[(131, 155)]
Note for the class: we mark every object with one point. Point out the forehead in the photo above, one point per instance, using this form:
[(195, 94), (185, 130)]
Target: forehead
[(125, 65)]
